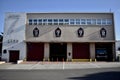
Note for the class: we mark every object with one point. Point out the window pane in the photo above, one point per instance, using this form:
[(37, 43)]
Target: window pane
[(49, 20), (66, 20), (55, 20)]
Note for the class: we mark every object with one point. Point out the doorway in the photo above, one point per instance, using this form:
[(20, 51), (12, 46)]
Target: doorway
[(14, 56), (104, 51), (58, 51)]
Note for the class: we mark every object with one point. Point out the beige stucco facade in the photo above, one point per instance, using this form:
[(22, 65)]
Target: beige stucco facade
[(91, 32), (69, 32)]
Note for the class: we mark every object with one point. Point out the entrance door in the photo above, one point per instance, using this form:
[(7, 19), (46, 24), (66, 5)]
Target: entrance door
[(58, 51), (35, 51), (14, 56)]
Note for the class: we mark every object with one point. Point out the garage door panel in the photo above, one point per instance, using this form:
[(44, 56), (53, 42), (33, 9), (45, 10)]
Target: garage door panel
[(35, 51), (58, 51), (80, 51)]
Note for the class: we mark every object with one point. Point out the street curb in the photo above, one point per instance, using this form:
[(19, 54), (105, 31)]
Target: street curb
[(2, 62)]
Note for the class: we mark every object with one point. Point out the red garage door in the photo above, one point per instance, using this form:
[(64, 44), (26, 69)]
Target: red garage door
[(80, 51), (35, 51), (13, 56)]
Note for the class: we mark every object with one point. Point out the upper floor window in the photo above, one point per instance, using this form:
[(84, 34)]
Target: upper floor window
[(44, 21), (72, 21), (60, 21), (109, 22), (77, 21), (40, 21), (50, 21), (93, 22), (88, 21), (35, 21), (30, 21), (103, 21), (98, 21), (66, 21), (55, 21), (83, 21)]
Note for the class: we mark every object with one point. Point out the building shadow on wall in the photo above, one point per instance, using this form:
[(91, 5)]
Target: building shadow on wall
[(113, 75)]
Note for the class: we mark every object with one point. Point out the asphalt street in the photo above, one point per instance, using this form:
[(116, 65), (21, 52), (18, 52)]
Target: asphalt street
[(69, 74)]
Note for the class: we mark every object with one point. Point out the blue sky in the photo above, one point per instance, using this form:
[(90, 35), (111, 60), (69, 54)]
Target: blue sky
[(61, 6)]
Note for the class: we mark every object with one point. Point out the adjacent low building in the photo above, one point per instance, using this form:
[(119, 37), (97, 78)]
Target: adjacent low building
[(58, 37), (118, 50)]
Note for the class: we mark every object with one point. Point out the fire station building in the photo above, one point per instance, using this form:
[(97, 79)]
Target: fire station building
[(58, 37)]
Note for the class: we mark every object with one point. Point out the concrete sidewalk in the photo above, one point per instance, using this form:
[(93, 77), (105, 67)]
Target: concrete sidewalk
[(59, 65)]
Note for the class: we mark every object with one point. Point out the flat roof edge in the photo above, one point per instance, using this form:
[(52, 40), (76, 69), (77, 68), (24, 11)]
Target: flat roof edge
[(75, 12), (65, 12)]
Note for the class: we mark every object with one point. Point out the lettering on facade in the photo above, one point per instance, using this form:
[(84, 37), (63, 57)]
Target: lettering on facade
[(80, 32), (12, 41), (58, 32), (36, 32), (14, 16), (103, 32)]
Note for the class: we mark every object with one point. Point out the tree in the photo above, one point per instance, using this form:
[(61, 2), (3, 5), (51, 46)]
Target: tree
[(1, 39), (1, 36)]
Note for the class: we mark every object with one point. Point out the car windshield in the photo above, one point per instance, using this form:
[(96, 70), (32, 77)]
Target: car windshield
[(101, 51)]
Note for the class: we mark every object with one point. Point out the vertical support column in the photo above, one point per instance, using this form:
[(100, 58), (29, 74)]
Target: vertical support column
[(69, 51), (92, 51), (46, 52), (23, 51), (113, 51)]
